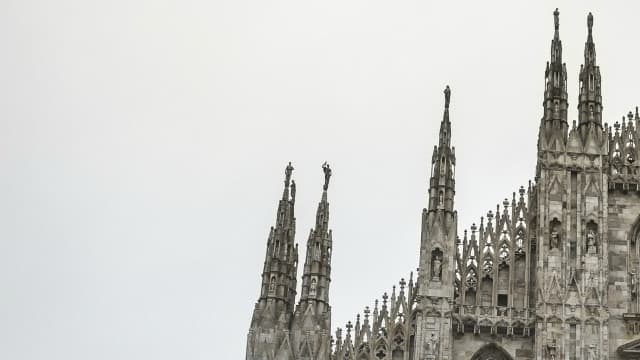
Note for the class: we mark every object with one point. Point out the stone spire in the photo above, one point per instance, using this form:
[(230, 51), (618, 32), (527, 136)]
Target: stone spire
[(555, 94), (273, 312), (312, 320), (590, 98), (317, 264), (443, 162), (436, 274), (553, 125)]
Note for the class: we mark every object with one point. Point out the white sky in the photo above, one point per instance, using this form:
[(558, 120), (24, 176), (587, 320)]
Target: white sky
[(143, 144)]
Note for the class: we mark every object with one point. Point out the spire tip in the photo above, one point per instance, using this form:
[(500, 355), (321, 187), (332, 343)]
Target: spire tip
[(556, 19), (287, 172), (327, 175), (447, 96)]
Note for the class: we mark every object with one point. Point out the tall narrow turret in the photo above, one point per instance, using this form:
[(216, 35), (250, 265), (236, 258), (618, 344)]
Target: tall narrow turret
[(590, 98), (311, 328), (443, 163), (274, 309), (554, 126), (437, 251)]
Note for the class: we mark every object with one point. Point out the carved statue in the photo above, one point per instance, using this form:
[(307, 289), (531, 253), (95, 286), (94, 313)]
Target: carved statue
[(556, 19), (437, 268), (431, 346), (555, 239), (591, 242), (287, 172), (272, 285), (447, 96), (327, 175), (633, 282), (591, 352), (312, 288), (293, 190), (551, 349)]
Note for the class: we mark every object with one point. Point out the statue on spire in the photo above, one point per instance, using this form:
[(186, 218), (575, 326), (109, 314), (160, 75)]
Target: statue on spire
[(327, 175), (556, 18), (590, 22), (287, 172), (447, 96)]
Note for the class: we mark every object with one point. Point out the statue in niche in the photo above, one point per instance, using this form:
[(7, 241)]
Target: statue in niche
[(633, 283), (591, 242), (431, 345), (312, 287), (441, 199), (551, 349), (272, 285), (591, 352), (555, 239), (436, 273)]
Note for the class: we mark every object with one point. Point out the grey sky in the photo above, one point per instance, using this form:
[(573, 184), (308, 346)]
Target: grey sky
[(143, 145)]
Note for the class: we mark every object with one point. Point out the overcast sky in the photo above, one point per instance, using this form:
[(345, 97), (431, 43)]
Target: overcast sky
[(143, 146)]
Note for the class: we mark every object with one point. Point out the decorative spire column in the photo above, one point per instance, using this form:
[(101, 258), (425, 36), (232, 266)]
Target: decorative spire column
[(437, 251), (554, 126), (274, 309), (590, 98), (312, 320)]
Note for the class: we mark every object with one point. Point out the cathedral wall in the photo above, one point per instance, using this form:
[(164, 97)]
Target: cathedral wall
[(623, 212), (466, 345)]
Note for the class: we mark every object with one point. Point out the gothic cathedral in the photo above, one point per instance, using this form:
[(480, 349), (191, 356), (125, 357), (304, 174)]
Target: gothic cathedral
[(552, 274)]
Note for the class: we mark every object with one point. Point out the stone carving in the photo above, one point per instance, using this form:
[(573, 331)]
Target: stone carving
[(436, 273), (555, 239), (447, 96), (552, 349), (272, 285), (312, 287), (591, 242), (287, 172), (431, 345), (327, 175), (592, 352)]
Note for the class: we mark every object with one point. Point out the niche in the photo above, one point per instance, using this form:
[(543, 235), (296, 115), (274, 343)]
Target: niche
[(313, 286), (591, 238), (555, 237), (436, 264), (272, 285)]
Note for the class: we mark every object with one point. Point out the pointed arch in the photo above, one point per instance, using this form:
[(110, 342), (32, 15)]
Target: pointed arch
[(491, 351)]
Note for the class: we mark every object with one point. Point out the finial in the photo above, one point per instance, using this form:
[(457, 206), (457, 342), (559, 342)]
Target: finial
[(447, 96), (327, 174), (287, 172), (590, 22), (556, 19)]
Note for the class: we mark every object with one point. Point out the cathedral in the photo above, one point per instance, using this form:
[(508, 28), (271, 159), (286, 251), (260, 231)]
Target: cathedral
[(552, 274)]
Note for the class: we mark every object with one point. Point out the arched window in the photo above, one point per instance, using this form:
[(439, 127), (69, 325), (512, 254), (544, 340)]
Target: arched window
[(491, 352)]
